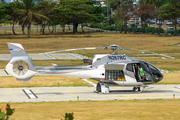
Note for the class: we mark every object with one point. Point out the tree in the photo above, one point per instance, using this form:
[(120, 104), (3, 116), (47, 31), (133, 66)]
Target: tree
[(76, 12), (46, 8), (28, 15), (170, 11), (149, 2), (159, 3), (145, 12), (122, 13), (2, 12), (11, 8), (6, 9)]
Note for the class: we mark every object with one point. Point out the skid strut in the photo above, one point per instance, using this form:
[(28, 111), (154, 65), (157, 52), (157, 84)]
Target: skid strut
[(102, 88)]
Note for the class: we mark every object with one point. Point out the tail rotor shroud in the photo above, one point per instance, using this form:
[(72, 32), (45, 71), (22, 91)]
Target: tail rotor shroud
[(20, 67)]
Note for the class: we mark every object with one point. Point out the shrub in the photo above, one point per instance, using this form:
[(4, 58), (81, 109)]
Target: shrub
[(139, 30), (69, 116), (95, 25), (9, 112), (178, 31)]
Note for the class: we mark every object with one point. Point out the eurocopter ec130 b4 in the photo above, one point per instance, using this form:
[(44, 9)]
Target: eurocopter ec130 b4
[(108, 69)]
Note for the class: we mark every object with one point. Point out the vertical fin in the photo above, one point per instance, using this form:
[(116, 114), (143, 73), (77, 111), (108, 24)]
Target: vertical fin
[(16, 50), (20, 65)]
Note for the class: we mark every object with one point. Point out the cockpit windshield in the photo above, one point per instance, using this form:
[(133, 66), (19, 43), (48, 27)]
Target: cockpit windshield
[(152, 72), (144, 72), (156, 73)]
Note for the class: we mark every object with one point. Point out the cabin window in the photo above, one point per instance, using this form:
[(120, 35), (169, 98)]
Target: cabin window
[(129, 67)]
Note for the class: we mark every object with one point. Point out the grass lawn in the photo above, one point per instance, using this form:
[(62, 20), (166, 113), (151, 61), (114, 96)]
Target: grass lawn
[(99, 110), (153, 43), (95, 110), (53, 81)]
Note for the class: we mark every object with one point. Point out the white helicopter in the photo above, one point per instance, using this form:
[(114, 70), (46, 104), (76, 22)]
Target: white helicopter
[(108, 69)]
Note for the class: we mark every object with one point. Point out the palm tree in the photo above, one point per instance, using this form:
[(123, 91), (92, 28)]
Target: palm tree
[(27, 15), (46, 8)]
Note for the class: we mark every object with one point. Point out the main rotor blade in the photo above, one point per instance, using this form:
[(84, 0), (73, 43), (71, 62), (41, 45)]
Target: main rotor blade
[(143, 51), (111, 47), (76, 49)]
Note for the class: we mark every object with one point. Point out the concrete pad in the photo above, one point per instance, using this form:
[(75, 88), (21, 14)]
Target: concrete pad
[(2, 72), (5, 57), (46, 94)]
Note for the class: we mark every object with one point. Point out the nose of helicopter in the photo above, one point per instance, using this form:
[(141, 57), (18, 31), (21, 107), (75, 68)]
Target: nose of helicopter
[(158, 76)]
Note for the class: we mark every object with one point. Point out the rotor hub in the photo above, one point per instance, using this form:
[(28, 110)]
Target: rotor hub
[(20, 67)]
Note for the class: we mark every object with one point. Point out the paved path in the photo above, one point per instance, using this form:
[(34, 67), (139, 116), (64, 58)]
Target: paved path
[(46, 94)]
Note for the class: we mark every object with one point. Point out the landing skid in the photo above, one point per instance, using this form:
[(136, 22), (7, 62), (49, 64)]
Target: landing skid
[(138, 89), (104, 88)]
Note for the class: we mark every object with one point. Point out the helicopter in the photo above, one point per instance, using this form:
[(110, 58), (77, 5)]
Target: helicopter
[(107, 69)]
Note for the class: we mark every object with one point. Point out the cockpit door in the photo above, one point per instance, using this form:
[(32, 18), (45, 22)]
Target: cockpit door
[(147, 71)]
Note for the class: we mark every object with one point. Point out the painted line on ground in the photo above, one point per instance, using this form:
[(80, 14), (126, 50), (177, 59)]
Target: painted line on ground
[(93, 84), (29, 93)]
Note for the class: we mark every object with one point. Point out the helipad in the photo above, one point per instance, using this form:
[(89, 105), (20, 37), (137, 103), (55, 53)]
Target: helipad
[(46, 94)]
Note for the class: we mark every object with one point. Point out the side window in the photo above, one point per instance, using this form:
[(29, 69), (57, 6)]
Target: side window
[(129, 67)]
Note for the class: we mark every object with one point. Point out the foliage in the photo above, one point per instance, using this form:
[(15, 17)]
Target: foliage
[(145, 2), (75, 12), (170, 11), (132, 29), (153, 30), (119, 24), (27, 15), (122, 13), (5, 12), (104, 27), (9, 112), (69, 116), (46, 8), (145, 12)]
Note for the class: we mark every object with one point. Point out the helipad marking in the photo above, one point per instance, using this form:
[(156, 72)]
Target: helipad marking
[(52, 57), (29, 93), (177, 87), (94, 85)]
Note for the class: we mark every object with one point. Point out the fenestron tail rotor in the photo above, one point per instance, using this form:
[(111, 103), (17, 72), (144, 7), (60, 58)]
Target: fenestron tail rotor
[(20, 67)]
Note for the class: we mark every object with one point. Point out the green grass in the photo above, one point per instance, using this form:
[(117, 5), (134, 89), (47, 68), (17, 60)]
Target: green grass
[(99, 110), (45, 43), (94, 110), (43, 81)]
